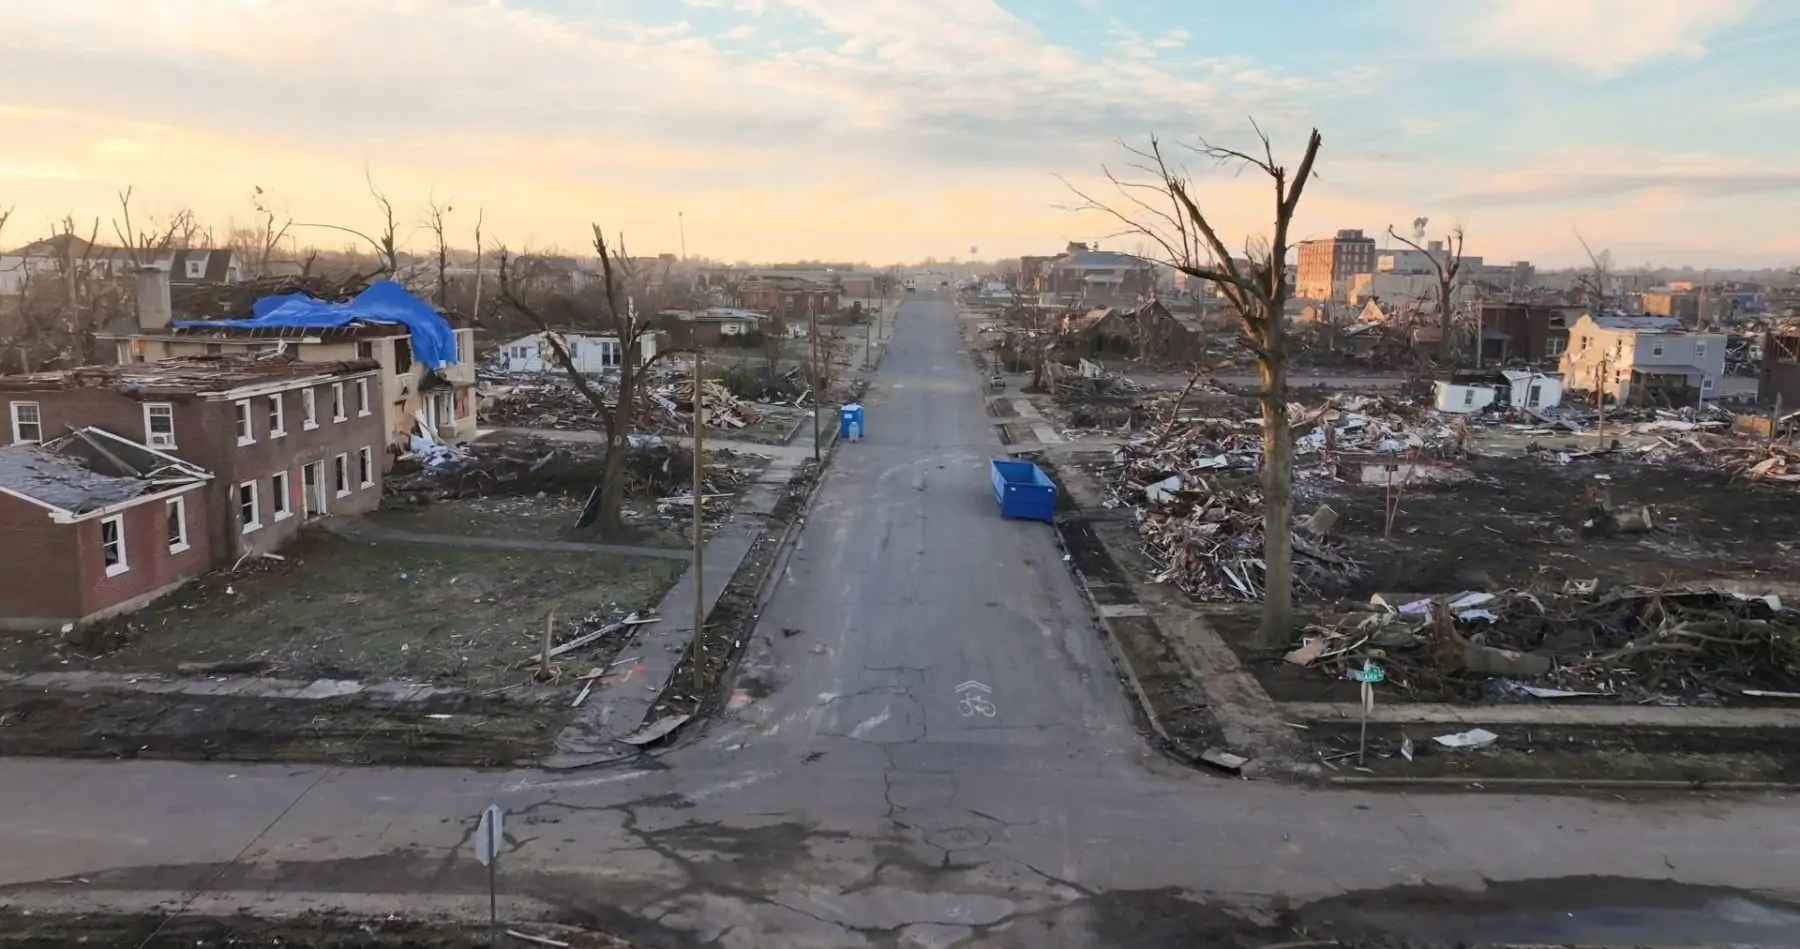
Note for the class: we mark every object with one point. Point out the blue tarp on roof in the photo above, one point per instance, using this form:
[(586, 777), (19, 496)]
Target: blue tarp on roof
[(385, 301)]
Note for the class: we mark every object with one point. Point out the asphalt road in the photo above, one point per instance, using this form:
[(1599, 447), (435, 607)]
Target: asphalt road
[(857, 798)]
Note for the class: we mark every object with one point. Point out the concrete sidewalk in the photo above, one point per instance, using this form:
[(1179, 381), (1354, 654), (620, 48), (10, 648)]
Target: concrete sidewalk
[(622, 702)]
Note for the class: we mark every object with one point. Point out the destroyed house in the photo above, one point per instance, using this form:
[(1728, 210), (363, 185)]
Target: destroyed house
[(1781, 364), (285, 441), (1146, 332), (1643, 360), (427, 372), (94, 525), (1529, 332)]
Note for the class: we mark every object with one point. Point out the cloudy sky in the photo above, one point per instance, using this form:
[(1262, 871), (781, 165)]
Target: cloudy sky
[(881, 130)]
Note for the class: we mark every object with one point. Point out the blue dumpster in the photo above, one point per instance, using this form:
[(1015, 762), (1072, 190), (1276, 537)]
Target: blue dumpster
[(1023, 490), (850, 423)]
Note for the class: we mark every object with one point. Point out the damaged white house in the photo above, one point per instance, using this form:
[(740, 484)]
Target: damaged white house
[(594, 354)]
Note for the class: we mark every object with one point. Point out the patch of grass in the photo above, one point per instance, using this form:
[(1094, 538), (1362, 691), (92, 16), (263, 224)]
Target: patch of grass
[(351, 609), (524, 518)]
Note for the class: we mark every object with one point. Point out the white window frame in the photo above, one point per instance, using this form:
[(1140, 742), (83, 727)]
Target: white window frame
[(365, 466), (179, 506), (246, 424), (1656, 349), (1706, 383), (18, 424), (337, 402), (281, 496), (1699, 348), (362, 398), (118, 523), (340, 475), (277, 416), (151, 437), (253, 523), (309, 409)]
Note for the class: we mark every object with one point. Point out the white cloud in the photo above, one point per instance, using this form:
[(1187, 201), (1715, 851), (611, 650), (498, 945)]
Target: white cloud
[(1604, 38), (1174, 39)]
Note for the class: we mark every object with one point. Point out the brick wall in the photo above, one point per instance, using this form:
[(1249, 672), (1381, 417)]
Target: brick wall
[(206, 435), (56, 573)]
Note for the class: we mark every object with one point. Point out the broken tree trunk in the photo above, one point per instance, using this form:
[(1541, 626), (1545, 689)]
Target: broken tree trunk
[(1278, 492)]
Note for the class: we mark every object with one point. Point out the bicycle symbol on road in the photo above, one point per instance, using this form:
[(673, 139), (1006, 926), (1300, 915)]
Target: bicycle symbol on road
[(974, 700)]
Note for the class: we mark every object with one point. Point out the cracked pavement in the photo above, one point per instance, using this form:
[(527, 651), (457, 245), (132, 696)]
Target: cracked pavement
[(858, 798)]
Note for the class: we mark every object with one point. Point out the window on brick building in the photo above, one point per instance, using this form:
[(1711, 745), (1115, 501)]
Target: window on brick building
[(112, 545), (159, 425), (249, 512), (176, 514), (245, 434), (27, 422)]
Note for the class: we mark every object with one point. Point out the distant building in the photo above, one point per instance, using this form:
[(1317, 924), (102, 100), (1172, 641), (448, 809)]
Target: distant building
[(1524, 331), (594, 354), (1327, 266), (1643, 360), (1081, 273)]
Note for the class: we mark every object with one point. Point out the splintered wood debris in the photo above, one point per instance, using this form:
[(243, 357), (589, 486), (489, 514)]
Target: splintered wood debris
[(1678, 645)]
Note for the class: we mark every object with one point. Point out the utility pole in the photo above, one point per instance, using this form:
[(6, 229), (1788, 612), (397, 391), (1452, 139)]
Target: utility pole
[(681, 225), (812, 331), (1600, 400), (699, 527)]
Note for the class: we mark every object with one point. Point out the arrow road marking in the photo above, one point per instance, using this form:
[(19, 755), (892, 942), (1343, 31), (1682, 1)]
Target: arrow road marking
[(972, 684)]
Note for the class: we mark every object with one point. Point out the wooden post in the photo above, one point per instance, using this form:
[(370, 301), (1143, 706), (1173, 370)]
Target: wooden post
[(812, 331), (1600, 400), (699, 527)]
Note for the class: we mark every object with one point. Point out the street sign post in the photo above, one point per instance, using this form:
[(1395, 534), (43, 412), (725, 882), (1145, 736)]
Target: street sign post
[(490, 836), (1368, 675)]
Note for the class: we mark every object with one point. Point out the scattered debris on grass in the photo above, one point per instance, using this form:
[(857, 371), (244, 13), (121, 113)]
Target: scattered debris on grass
[(1682, 645)]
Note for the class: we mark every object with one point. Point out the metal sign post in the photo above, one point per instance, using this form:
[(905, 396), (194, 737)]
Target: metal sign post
[(1368, 675), (490, 835)]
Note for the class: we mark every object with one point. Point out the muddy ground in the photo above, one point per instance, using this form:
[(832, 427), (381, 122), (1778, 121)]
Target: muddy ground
[(347, 609), (459, 730), (1518, 523), (1695, 757), (307, 931)]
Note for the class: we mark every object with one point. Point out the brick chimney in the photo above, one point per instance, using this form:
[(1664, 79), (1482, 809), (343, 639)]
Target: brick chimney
[(154, 311)]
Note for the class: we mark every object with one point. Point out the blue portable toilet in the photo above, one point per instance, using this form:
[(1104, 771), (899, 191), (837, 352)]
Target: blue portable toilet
[(850, 423)]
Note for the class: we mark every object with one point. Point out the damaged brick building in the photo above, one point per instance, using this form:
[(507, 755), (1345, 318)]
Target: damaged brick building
[(276, 441)]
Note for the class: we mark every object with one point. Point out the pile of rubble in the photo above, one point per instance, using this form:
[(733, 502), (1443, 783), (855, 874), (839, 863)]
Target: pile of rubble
[(1636, 644), (528, 466), (1199, 506), (723, 410), (552, 405), (663, 408)]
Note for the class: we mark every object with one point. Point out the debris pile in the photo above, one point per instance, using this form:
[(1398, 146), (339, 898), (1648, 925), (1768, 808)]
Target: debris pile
[(1744, 457), (543, 406), (1633, 643), (723, 410), (1200, 512), (653, 469)]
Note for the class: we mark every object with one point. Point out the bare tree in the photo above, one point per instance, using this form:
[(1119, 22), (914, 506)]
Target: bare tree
[(1447, 268), (387, 241), (1160, 204), (603, 516), (434, 222), (475, 308), (146, 244), (1596, 283)]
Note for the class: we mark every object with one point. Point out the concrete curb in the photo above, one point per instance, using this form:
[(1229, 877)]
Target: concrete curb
[(1504, 784)]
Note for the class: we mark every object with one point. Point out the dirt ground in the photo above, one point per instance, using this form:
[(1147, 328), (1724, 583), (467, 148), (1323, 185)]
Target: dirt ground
[(309, 931), (337, 608), (548, 516), (1518, 523)]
